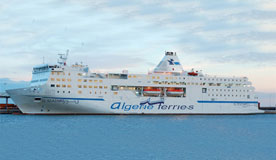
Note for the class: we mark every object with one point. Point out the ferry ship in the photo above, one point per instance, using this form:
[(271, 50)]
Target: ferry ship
[(168, 89)]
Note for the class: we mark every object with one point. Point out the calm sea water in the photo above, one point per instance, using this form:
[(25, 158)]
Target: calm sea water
[(137, 137)]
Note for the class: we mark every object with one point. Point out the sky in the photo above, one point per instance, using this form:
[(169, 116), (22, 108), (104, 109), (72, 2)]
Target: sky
[(224, 38)]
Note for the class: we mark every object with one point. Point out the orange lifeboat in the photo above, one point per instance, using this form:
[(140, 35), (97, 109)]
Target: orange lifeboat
[(152, 91), (175, 92)]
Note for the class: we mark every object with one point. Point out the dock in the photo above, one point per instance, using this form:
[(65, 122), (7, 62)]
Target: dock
[(7, 108), (269, 110)]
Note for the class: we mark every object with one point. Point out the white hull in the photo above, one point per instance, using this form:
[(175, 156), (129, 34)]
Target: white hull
[(171, 105)]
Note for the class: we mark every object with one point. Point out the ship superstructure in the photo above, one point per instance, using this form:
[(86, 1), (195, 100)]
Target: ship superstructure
[(73, 89)]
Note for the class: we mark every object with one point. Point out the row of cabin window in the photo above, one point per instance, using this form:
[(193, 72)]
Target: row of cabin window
[(169, 83), (62, 79), (89, 80), (176, 83), (221, 84), (79, 86), (60, 73), (229, 90), (61, 85), (85, 86), (213, 95), (79, 80), (237, 80), (188, 83), (134, 76), (63, 73), (64, 92), (157, 77), (80, 92)]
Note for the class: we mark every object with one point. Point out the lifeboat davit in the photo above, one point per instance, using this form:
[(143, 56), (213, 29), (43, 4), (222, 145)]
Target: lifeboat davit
[(175, 92), (152, 91), (192, 73)]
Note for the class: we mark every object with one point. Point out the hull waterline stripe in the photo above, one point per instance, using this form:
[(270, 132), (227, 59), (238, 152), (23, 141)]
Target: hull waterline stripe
[(84, 99), (228, 102)]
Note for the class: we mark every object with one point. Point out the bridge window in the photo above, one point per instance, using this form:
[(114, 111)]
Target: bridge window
[(114, 88), (52, 85), (204, 90)]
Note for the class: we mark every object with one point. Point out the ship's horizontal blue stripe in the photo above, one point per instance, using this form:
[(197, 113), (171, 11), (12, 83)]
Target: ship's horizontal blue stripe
[(84, 99), (227, 101), (176, 63)]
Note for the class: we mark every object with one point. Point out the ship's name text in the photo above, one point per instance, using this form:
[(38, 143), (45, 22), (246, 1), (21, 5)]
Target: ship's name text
[(128, 107)]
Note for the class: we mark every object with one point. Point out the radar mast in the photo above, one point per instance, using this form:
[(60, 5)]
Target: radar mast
[(63, 58)]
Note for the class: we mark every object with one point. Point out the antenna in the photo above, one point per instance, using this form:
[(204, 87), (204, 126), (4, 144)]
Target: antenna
[(43, 60), (63, 58)]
